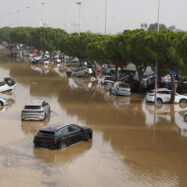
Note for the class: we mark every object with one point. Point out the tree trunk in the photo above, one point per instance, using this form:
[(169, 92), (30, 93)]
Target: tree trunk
[(94, 67), (172, 101), (116, 71)]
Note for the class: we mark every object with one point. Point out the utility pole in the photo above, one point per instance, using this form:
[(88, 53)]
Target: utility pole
[(79, 4), (156, 67), (17, 18), (42, 13), (27, 9), (65, 16), (105, 16)]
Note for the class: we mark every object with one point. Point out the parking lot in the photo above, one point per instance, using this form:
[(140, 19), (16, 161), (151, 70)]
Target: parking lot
[(134, 143)]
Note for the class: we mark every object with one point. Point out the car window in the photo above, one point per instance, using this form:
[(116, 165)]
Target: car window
[(32, 107), (64, 130), (124, 85), (74, 128), (164, 92)]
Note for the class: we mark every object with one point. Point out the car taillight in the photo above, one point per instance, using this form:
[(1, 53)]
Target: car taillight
[(40, 111), (52, 140)]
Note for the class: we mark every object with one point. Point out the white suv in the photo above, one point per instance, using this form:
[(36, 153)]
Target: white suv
[(164, 96), (35, 110)]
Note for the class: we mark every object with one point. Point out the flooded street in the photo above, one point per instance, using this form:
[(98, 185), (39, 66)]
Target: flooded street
[(134, 143)]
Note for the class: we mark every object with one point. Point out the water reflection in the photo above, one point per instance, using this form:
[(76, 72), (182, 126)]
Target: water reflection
[(3, 108), (32, 127), (63, 156), (40, 68), (11, 100), (172, 113)]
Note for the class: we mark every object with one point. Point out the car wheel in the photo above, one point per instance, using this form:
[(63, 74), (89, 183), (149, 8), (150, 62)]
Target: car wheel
[(183, 101), (1, 103), (62, 145), (86, 74), (86, 137), (159, 101)]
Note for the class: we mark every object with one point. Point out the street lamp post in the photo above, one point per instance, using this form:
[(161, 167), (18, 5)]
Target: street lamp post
[(79, 4), (17, 18), (156, 67), (42, 13), (65, 15), (27, 8), (105, 16)]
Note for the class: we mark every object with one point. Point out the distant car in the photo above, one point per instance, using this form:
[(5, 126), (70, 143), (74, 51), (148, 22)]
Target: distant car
[(3, 101), (185, 116), (8, 84), (106, 79), (164, 96), (82, 71), (36, 59), (59, 136), (121, 88), (74, 63), (35, 110)]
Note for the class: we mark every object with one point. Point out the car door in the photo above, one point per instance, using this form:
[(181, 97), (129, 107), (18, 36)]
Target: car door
[(76, 133), (167, 95), (79, 72), (66, 135)]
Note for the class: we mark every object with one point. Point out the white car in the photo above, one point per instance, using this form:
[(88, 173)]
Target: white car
[(164, 96), (7, 85), (35, 110), (105, 80), (36, 59)]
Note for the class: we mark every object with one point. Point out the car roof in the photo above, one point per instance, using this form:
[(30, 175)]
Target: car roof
[(54, 126), (34, 102)]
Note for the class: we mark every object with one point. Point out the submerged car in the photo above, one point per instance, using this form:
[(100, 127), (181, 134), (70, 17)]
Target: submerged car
[(35, 110), (3, 101), (164, 96), (121, 88), (73, 63), (106, 79), (82, 71), (57, 136), (7, 85)]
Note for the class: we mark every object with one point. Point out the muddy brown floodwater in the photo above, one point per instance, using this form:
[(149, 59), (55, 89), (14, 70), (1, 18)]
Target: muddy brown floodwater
[(134, 144)]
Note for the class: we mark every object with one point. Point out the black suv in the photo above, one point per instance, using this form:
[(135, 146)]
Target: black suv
[(59, 136)]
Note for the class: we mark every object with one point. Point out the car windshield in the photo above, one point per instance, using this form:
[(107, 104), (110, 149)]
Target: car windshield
[(124, 85), (32, 107), (108, 78)]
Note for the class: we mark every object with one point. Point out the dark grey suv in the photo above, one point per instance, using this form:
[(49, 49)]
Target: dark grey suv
[(59, 136)]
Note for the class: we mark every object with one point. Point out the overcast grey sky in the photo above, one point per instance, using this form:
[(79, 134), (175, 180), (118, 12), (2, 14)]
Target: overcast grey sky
[(121, 14)]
